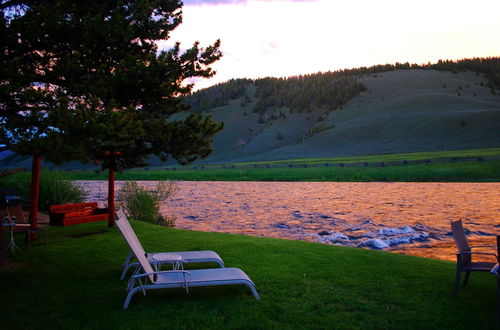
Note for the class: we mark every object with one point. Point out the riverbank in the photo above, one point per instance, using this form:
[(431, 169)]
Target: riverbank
[(73, 283)]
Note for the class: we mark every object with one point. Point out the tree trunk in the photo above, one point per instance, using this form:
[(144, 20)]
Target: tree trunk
[(34, 192), (111, 198)]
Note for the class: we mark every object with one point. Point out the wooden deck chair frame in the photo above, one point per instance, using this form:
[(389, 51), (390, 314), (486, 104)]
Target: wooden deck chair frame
[(465, 264), (17, 211), (148, 279), (187, 256)]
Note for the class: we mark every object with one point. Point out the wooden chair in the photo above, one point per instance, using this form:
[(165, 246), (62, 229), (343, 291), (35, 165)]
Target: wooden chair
[(17, 211), (464, 256), (14, 229)]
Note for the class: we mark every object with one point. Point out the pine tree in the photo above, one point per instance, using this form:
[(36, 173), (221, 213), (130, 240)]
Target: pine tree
[(84, 80)]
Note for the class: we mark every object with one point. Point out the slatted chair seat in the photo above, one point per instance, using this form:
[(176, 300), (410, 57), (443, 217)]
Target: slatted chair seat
[(480, 266)]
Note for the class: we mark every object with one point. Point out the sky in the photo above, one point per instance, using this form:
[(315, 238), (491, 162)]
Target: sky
[(281, 38)]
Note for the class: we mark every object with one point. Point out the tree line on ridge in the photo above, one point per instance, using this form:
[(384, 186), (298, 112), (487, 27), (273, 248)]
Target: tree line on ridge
[(328, 90)]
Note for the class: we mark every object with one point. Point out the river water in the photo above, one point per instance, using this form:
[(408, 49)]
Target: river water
[(410, 218)]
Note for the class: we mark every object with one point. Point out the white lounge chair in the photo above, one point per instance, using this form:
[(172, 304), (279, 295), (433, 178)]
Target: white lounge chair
[(161, 257), (148, 279)]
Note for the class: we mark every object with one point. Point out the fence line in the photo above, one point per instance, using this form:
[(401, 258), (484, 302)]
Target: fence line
[(328, 164), (309, 165)]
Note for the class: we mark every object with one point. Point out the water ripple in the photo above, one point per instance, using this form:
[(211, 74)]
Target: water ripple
[(411, 218)]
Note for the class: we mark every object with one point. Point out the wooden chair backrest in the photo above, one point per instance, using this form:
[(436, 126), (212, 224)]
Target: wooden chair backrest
[(3, 214), (460, 240), (17, 211)]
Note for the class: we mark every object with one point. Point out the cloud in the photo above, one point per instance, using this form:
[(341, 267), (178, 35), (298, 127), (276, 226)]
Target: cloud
[(270, 47), (273, 44), (213, 2), (232, 2)]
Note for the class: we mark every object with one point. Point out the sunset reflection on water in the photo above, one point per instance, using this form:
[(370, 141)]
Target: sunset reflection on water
[(301, 210)]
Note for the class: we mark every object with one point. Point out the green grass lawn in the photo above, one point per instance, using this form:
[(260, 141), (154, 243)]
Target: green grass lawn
[(490, 152), (486, 171), (73, 283), (459, 171)]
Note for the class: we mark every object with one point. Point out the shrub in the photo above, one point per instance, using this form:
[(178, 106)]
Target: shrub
[(143, 204), (55, 190), (167, 221)]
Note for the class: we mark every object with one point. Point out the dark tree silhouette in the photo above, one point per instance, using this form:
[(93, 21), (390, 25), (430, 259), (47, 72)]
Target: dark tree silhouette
[(84, 80)]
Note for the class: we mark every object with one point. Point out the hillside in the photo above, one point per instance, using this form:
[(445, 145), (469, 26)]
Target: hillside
[(383, 109), (400, 111)]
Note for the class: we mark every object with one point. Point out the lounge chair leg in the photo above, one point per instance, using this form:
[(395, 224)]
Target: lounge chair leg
[(457, 283), (126, 268), (128, 258), (124, 272), (254, 291), (466, 279), (127, 264), (129, 296)]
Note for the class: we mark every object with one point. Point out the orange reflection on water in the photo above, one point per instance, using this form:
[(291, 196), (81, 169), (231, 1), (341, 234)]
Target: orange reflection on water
[(356, 211)]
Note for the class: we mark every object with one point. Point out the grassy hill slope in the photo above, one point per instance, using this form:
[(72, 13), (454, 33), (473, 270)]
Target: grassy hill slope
[(401, 111)]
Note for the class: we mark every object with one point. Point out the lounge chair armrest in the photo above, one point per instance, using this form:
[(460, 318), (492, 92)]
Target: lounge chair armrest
[(173, 271), (161, 272)]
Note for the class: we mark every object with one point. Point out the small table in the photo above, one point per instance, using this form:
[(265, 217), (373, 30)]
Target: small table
[(168, 258), (12, 243)]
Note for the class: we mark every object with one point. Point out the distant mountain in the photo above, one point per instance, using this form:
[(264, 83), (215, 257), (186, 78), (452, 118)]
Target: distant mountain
[(5, 154), (382, 109), (377, 110)]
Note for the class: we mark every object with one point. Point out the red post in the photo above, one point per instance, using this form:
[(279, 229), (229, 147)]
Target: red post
[(34, 192), (111, 198)]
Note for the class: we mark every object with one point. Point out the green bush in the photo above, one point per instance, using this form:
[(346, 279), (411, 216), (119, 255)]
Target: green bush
[(143, 204), (55, 190)]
